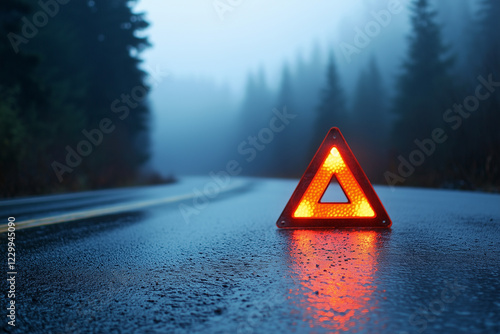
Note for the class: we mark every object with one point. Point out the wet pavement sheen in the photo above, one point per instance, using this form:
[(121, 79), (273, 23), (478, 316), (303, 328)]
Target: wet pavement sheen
[(230, 270)]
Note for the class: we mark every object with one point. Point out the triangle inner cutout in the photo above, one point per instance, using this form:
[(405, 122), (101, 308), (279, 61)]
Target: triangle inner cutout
[(334, 193)]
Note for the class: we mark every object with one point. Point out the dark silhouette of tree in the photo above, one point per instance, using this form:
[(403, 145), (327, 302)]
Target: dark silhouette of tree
[(456, 20), (332, 107), (471, 156), (86, 60), (298, 93), (285, 160), (424, 91), (476, 162), (489, 162), (24, 130), (285, 155), (285, 94), (308, 82), (257, 102), (106, 51), (370, 122), (256, 110), (488, 35)]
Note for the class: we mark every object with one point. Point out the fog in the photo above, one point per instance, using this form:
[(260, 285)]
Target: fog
[(228, 63), (98, 94), (208, 60)]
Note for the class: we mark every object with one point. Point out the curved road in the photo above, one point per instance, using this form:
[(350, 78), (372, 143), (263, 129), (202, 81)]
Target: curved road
[(201, 256)]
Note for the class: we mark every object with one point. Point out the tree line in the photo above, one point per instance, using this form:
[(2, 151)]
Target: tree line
[(73, 113), (437, 127)]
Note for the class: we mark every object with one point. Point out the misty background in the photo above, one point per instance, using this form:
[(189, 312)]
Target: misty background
[(386, 72), (228, 72)]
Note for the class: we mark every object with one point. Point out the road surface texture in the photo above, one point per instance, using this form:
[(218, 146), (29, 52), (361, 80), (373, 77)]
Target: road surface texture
[(168, 259)]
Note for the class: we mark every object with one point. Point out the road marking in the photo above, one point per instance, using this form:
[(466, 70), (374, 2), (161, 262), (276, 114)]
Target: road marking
[(68, 217)]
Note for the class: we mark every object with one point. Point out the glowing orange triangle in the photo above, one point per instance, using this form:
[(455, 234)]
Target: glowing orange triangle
[(305, 209)]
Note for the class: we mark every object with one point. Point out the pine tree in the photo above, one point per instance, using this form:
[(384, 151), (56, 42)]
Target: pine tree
[(370, 122), (489, 36), (456, 20), (285, 160), (101, 37), (86, 57), (255, 114), (476, 152), (308, 81), (424, 90), (110, 46), (257, 103), (472, 159), (332, 107), (297, 95), (24, 134)]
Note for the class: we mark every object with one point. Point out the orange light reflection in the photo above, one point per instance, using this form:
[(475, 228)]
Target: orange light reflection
[(335, 270)]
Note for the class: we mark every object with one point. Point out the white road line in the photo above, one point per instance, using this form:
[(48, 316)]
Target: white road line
[(68, 217)]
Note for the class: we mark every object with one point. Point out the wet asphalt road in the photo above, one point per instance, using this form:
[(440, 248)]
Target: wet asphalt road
[(228, 269)]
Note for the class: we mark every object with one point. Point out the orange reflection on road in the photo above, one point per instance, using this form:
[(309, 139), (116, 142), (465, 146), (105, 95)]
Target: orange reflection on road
[(335, 271)]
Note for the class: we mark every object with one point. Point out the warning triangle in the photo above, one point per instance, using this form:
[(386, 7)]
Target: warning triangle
[(306, 209)]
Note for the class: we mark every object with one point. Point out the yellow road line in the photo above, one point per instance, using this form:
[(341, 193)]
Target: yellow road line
[(68, 217)]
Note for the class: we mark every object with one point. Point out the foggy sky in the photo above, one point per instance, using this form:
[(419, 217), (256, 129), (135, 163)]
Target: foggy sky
[(203, 49)]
